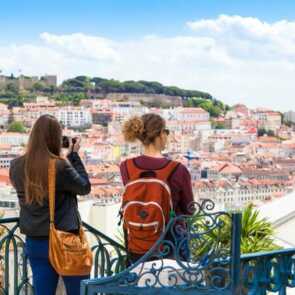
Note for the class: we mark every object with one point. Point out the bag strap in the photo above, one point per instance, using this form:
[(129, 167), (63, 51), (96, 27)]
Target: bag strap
[(51, 188), (166, 173), (135, 172)]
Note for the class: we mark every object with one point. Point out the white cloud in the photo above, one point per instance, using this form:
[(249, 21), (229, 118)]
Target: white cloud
[(82, 46), (249, 37), (235, 58)]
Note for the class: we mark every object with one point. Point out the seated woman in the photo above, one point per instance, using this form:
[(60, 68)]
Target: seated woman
[(156, 187), (29, 176)]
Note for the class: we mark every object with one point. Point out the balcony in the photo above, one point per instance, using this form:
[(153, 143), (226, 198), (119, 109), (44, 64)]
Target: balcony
[(15, 273), (209, 270)]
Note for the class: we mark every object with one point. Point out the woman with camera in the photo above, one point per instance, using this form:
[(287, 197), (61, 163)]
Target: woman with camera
[(29, 175)]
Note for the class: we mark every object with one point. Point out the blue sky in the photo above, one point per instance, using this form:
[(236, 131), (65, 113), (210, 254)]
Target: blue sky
[(239, 51), (24, 20)]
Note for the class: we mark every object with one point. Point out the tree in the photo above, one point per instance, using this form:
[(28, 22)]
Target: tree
[(101, 85), (77, 97), (133, 87), (153, 87), (16, 127), (218, 125), (214, 108), (51, 89), (111, 86), (38, 86), (72, 98), (257, 233), (80, 83), (270, 133), (172, 90), (263, 131), (11, 89), (16, 101)]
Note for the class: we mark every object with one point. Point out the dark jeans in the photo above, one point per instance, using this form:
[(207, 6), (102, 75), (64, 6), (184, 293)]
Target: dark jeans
[(45, 278)]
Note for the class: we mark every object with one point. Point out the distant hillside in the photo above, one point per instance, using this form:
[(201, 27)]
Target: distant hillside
[(73, 90), (105, 86)]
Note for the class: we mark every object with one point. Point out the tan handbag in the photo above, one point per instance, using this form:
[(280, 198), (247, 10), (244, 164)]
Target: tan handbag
[(69, 254)]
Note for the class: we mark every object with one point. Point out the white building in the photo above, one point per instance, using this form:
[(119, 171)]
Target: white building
[(124, 110), (72, 117), (14, 139), (227, 194), (290, 116), (192, 114), (268, 120), (4, 115), (6, 158)]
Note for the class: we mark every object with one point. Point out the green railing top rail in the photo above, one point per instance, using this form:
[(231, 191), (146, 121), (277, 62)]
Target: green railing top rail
[(9, 220), (86, 225), (290, 251)]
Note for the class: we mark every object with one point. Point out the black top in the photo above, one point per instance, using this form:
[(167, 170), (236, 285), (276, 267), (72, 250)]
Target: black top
[(71, 180)]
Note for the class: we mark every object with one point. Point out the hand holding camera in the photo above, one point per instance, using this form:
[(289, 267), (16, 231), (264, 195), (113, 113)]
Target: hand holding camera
[(73, 144)]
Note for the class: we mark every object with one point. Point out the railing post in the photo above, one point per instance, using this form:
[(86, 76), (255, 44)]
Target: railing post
[(236, 253)]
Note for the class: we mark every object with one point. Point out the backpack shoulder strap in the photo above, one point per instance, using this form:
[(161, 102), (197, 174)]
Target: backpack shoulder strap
[(166, 172), (133, 171)]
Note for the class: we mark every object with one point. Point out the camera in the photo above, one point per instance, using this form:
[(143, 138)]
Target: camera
[(66, 141)]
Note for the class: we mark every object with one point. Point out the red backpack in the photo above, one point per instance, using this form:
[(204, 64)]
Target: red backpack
[(146, 205)]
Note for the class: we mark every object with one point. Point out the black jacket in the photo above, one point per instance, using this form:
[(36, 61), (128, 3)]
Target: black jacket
[(71, 180)]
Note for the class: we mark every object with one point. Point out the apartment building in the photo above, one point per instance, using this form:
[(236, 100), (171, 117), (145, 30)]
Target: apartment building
[(124, 110), (226, 192), (4, 116), (290, 117), (191, 114), (6, 157), (13, 139), (74, 117), (267, 119), (41, 102)]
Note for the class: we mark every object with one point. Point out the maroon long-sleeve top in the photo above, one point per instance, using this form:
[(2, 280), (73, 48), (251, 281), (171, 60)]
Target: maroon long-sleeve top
[(179, 183)]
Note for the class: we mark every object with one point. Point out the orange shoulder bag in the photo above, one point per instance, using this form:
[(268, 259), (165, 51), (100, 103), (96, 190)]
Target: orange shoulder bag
[(69, 254)]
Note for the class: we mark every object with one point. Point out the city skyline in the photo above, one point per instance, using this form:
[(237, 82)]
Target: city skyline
[(238, 52)]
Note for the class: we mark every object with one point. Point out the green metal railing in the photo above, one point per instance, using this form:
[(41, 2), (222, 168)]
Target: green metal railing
[(13, 263), (260, 273), (15, 274), (268, 272)]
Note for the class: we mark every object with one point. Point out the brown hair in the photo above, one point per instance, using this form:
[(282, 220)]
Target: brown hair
[(145, 128), (44, 142)]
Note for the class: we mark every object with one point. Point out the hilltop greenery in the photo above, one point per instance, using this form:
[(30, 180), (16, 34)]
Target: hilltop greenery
[(73, 90), (101, 85), (213, 106)]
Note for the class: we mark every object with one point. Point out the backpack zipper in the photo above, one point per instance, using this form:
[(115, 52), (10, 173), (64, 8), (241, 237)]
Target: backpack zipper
[(144, 204), (155, 224), (149, 180)]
